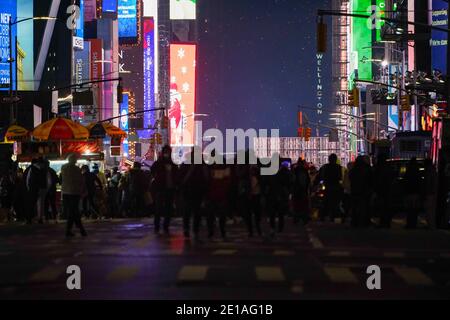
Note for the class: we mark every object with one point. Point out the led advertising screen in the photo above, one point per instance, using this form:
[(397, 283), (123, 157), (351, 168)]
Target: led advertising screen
[(96, 72), (362, 39), (8, 10), (127, 14), (183, 9), (150, 8), (109, 8), (78, 35), (83, 114), (439, 40), (123, 123), (182, 94), (148, 45)]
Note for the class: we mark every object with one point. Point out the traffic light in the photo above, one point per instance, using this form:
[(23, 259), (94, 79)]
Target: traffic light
[(300, 132), (321, 37), (353, 97), (307, 134), (405, 103), (158, 138), (165, 122), (119, 93)]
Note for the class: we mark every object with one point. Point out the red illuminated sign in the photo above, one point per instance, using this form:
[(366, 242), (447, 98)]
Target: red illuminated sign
[(182, 94)]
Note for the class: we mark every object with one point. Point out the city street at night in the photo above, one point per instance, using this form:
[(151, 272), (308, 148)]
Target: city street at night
[(123, 259)]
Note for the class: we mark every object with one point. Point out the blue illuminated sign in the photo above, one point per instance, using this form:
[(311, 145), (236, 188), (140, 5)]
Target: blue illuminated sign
[(439, 40), (8, 10), (109, 6), (127, 15), (149, 74), (124, 107)]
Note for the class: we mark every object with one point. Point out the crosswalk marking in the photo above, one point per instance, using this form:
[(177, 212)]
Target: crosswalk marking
[(283, 253), (339, 253), (271, 274), (340, 275), (141, 243), (224, 252), (192, 273), (394, 254), (122, 273), (413, 276), (50, 273)]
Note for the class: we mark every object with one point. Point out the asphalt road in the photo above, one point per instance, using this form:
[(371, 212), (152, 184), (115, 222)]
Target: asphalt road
[(123, 259)]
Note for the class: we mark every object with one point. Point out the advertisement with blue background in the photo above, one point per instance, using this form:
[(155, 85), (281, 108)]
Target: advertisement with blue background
[(439, 40), (124, 106), (127, 15), (109, 6), (8, 10), (149, 74)]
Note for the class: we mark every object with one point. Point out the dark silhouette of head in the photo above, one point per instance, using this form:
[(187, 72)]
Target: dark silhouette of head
[(137, 165), (332, 158)]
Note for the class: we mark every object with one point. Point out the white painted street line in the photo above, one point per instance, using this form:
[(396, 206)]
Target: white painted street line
[(50, 273), (224, 252), (339, 253), (122, 273), (394, 254), (270, 274), (192, 273), (283, 253), (340, 275), (413, 276)]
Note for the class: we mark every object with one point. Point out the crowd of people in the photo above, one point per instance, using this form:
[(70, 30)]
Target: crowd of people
[(217, 193)]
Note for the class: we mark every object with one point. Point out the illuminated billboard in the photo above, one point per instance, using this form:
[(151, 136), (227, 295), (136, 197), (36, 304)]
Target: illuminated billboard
[(150, 8), (109, 6), (123, 123), (439, 39), (183, 9), (8, 10), (78, 35), (148, 46), (362, 39), (182, 94), (25, 45), (127, 14)]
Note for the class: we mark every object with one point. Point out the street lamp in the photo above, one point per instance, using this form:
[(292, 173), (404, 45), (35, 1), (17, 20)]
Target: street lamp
[(11, 59)]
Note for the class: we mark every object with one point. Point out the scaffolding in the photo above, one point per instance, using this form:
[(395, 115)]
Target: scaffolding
[(340, 76)]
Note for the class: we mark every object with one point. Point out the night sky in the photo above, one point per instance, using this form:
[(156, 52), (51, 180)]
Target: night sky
[(257, 62)]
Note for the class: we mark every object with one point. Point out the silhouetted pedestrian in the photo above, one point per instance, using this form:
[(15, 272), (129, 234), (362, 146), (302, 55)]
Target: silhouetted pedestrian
[(413, 189), (72, 187), (383, 178), (301, 192), (361, 190), (430, 191), (164, 173), (331, 175)]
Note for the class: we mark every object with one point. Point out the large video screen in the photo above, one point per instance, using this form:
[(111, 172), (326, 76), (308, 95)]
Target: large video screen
[(183, 9), (8, 10), (25, 41), (128, 21), (182, 94)]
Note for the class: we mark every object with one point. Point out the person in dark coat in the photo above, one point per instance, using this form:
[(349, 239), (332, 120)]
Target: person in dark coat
[(219, 185), (92, 182), (361, 190), (413, 188), (138, 185), (383, 179), (193, 185), (301, 192), (50, 200), (331, 175), (164, 173)]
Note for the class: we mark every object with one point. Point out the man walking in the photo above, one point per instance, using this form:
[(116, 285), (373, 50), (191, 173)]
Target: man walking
[(72, 185)]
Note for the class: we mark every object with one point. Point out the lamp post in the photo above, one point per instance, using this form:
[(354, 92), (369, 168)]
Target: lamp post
[(11, 59)]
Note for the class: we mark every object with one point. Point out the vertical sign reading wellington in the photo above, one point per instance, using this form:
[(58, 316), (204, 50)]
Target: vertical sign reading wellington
[(182, 94), (149, 74)]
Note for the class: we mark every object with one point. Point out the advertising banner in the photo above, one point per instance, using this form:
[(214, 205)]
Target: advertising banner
[(149, 74), (439, 40), (183, 9), (128, 21), (8, 10), (182, 94)]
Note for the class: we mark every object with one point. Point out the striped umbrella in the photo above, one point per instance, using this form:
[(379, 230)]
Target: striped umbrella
[(60, 129)]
